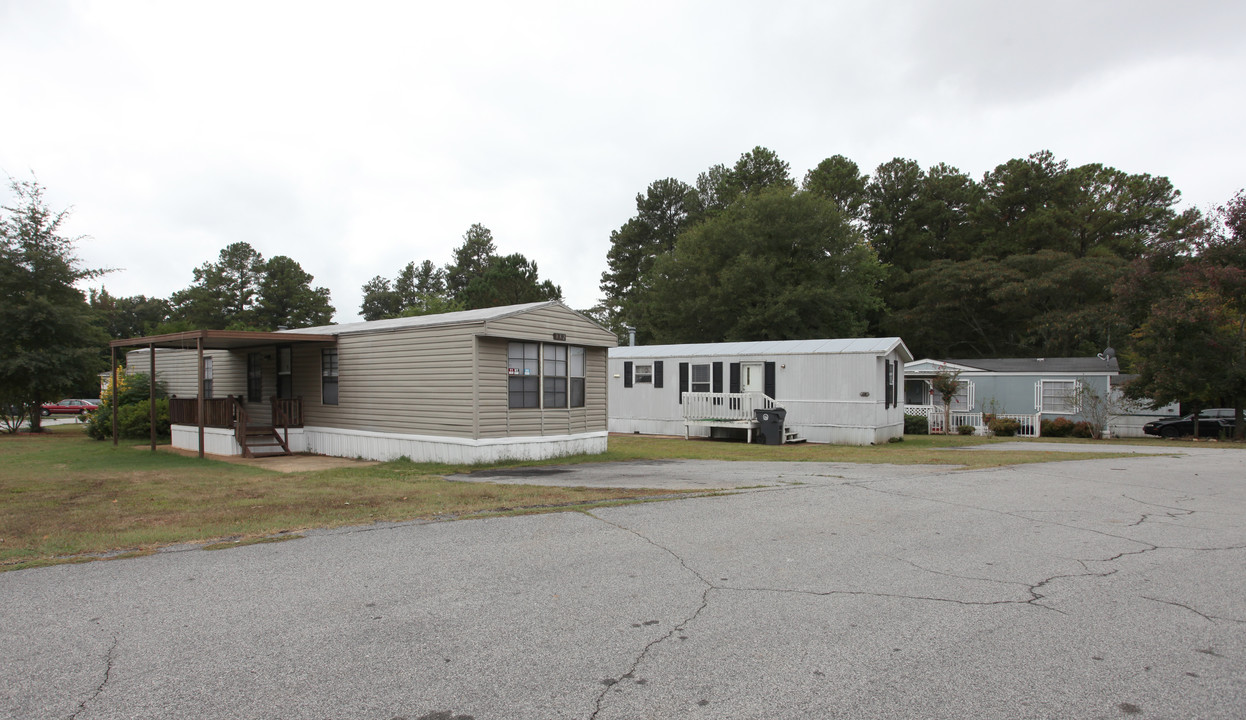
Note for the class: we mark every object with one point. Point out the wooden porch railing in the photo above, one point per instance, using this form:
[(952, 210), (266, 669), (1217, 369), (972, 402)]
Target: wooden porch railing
[(287, 412), (240, 421), (227, 412), (725, 406), (217, 412)]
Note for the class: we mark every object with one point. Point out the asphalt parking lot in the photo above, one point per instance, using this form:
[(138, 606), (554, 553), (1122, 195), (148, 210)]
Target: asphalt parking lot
[(1079, 589)]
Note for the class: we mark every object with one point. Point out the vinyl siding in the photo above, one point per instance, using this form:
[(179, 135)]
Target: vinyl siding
[(542, 323), (416, 381), (177, 370), (497, 419)]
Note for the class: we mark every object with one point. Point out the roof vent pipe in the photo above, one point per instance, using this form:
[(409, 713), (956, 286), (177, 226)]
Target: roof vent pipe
[(631, 335)]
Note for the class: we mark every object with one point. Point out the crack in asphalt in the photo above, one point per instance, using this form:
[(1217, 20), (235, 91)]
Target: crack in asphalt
[(1035, 599), (1205, 616), (679, 627), (108, 660)]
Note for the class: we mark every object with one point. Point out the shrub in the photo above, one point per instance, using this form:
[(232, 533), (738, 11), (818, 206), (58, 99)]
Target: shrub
[(1004, 427), (1082, 429), (916, 425), (133, 411), (965, 429), (1060, 427)]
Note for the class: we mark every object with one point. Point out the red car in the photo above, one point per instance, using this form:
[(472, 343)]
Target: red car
[(70, 407)]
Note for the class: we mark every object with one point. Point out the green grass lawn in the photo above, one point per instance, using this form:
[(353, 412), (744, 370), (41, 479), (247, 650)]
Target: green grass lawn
[(68, 498)]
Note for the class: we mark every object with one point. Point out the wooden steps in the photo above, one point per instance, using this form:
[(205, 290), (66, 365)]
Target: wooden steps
[(262, 441)]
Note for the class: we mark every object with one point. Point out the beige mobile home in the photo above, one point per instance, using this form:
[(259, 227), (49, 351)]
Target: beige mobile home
[(846, 391), (521, 381)]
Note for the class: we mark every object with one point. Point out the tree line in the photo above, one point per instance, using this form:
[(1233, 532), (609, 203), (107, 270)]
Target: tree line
[(476, 277), (1036, 258)]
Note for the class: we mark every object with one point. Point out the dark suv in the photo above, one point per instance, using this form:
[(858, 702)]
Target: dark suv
[(1210, 424)]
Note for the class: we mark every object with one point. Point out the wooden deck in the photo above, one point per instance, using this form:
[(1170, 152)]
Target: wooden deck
[(725, 410)]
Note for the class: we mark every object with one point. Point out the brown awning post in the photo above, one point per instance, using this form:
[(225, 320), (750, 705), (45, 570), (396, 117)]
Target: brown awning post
[(199, 402), (151, 392), (113, 390)]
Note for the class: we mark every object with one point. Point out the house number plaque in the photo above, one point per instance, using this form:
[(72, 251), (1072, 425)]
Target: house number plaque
[(560, 336)]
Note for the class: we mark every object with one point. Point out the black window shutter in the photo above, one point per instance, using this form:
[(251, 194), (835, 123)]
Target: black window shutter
[(733, 379), (627, 373), (886, 383), (718, 377), (770, 379), (683, 381), (895, 383), (657, 373)]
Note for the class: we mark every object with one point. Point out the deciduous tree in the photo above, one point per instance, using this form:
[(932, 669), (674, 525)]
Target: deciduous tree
[(776, 264)]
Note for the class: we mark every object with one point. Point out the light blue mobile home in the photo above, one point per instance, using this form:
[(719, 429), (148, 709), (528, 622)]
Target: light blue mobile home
[(1027, 389)]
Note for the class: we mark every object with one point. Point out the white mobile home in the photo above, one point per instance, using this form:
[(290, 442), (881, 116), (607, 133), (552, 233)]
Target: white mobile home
[(845, 391), (516, 382)]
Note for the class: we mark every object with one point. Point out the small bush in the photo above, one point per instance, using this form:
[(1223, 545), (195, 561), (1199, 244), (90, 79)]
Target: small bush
[(1060, 427), (916, 425), (898, 438), (1004, 427), (1082, 429), (965, 429), (133, 410)]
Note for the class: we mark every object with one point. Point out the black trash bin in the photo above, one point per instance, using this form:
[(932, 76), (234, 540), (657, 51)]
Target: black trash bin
[(770, 425)]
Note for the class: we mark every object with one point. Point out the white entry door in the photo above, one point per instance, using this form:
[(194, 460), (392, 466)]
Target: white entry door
[(753, 377)]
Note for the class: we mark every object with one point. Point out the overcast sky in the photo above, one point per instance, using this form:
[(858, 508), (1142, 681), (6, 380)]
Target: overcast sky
[(357, 137)]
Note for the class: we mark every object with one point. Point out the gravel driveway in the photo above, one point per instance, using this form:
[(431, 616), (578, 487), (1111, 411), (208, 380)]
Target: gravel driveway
[(1081, 589)]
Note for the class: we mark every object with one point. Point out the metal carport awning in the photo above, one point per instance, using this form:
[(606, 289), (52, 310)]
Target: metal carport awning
[(198, 340)]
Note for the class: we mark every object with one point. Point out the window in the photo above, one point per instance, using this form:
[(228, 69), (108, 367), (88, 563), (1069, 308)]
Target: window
[(963, 399), (555, 380), (545, 375), (255, 378), (207, 377), (285, 377), (643, 374), (523, 381), (328, 377), (1056, 396), (576, 367), (700, 378), (916, 392)]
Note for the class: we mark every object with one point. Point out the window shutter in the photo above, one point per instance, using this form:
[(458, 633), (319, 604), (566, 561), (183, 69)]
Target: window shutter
[(1038, 396), (718, 377), (627, 373), (683, 381), (770, 379), (886, 383), (657, 373), (733, 378)]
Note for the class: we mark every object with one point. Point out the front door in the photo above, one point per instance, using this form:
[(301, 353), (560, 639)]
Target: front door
[(753, 377)]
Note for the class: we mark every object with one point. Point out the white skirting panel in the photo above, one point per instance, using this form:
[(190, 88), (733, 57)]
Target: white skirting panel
[(456, 451), (389, 446), (221, 441), (829, 434), (216, 441)]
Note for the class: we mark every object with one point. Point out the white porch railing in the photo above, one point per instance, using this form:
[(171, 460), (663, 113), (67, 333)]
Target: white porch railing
[(1029, 423), (725, 407)]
